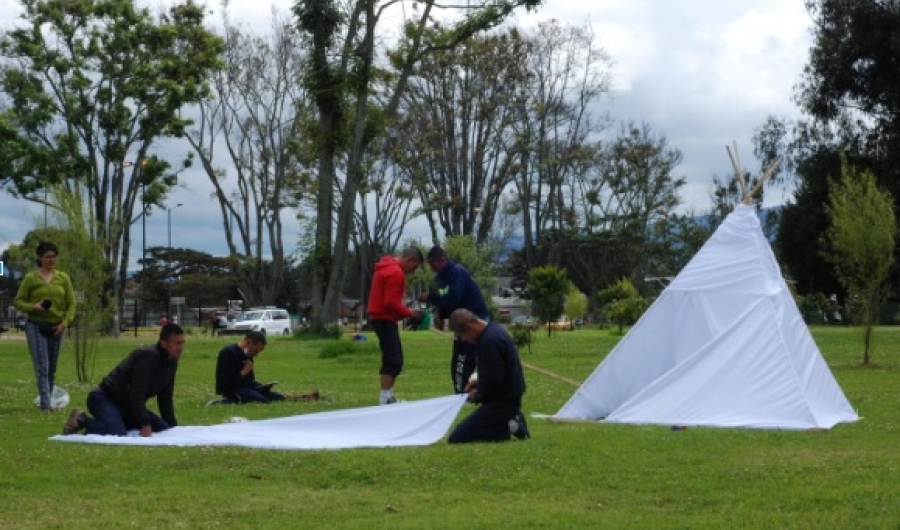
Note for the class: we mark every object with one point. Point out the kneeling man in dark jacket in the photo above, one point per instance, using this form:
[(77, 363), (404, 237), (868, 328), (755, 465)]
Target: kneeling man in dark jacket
[(500, 385), (119, 403)]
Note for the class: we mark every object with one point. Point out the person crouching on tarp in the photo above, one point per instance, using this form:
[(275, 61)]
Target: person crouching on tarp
[(500, 385), (119, 403)]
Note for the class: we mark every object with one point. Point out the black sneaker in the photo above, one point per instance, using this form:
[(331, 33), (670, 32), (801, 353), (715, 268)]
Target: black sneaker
[(73, 424), (518, 427)]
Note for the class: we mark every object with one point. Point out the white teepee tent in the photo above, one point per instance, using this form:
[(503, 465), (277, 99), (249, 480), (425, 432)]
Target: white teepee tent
[(724, 345)]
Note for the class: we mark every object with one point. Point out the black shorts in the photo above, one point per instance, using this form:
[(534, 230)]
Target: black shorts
[(388, 334)]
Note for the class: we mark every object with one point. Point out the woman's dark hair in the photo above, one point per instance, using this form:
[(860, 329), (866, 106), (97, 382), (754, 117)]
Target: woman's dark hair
[(43, 248)]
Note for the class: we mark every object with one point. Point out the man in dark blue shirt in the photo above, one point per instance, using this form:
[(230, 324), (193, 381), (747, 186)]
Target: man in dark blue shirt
[(500, 385), (235, 379), (119, 403), (456, 289)]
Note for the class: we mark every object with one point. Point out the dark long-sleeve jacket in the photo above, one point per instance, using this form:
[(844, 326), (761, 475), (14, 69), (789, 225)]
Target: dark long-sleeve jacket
[(145, 373), (500, 377), (228, 370), (456, 289)]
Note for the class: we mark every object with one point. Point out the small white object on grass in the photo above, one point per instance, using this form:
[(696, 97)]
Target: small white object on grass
[(58, 399)]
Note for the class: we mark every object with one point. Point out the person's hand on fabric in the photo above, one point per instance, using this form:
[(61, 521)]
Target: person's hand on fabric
[(146, 431)]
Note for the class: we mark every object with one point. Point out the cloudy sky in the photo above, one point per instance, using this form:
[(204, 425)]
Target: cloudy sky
[(704, 73)]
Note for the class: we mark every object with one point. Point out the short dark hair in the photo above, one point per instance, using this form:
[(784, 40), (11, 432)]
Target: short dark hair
[(170, 329), (256, 337), (415, 253), (436, 253), (461, 319), (44, 247)]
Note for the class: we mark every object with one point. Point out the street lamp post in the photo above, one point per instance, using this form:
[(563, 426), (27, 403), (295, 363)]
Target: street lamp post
[(143, 255), (169, 259), (129, 163)]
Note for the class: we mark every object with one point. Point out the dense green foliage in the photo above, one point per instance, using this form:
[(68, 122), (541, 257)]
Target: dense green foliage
[(622, 304), (568, 476), (860, 241), (548, 287), (849, 94), (86, 85)]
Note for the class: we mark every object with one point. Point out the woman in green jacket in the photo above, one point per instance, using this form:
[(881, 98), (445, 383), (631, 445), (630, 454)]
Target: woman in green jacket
[(46, 296)]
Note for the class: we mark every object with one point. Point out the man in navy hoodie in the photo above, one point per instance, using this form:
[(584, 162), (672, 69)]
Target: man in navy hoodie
[(500, 385), (456, 289)]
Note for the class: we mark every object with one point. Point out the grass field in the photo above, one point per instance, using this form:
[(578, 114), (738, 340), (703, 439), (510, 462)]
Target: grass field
[(567, 476)]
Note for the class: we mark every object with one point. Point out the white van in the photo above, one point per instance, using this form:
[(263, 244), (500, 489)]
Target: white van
[(267, 320)]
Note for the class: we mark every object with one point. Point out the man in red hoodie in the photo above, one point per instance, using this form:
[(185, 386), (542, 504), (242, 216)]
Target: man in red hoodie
[(386, 309)]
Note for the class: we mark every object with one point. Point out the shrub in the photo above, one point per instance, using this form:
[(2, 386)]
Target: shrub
[(522, 336)]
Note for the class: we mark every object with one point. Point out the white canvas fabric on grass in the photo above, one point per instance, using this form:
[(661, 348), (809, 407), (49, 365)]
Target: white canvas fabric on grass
[(412, 423), (724, 345)]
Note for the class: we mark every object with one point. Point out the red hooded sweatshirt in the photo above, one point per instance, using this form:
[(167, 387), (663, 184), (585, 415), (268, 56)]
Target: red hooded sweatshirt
[(388, 291)]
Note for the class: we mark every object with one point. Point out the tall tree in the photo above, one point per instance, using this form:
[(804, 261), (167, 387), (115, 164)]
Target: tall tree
[(455, 133), (548, 287), (89, 84), (850, 93), (253, 122), (342, 77), (623, 197), (860, 241), (852, 77), (384, 207), (635, 182), (568, 73)]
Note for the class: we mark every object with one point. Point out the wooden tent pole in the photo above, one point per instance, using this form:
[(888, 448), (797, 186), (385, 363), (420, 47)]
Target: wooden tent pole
[(738, 172), (768, 174)]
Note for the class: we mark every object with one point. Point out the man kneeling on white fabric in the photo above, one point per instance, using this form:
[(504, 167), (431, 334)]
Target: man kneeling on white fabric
[(119, 403), (500, 385), (235, 379)]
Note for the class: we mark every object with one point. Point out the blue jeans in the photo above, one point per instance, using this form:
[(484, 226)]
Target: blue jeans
[(108, 417), (44, 356), (248, 394)]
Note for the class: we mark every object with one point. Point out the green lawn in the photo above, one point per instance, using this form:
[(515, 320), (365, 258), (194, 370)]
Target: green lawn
[(567, 476)]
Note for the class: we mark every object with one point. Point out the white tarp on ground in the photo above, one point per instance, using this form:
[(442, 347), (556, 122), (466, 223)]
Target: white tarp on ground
[(409, 423), (724, 345)]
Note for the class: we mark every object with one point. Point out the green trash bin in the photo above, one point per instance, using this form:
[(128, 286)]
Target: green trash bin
[(426, 320)]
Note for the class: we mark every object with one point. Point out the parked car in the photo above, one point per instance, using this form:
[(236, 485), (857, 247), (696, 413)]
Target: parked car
[(267, 320), (524, 321), (561, 324)]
